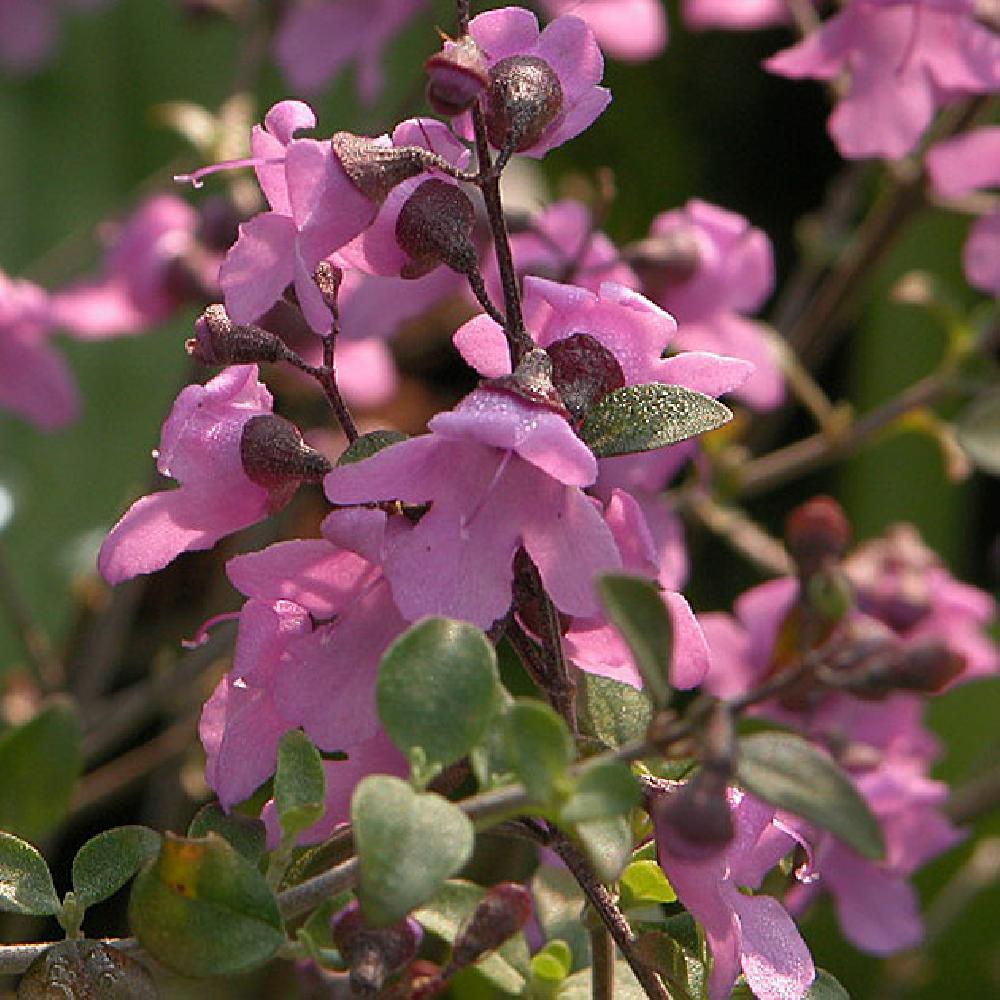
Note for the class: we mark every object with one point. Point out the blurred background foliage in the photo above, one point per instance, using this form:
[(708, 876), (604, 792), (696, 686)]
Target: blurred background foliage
[(80, 142)]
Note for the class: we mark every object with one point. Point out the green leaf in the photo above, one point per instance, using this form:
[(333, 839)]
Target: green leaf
[(299, 783), (788, 772), (559, 903), (604, 788), (826, 987), (608, 845), (539, 747), (682, 973), (978, 429), (448, 912), (39, 764), (639, 418), (25, 883), (245, 834), (643, 883), (553, 962), (203, 910), (636, 608), (408, 844), (107, 861), (370, 444), (610, 711), (579, 987), (437, 690)]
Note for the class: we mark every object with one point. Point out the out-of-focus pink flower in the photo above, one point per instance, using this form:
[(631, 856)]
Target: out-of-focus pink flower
[(630, 30), (200, 447), (318, 39), (566, 49), (958, 167), (134, 292), (904, 61), (735, 14), (35, 382), (749, 933), (29, 31), (479, 466), (716, 268)]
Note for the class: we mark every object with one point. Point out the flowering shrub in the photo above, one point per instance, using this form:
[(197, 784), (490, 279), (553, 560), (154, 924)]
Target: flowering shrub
[(480, 626)]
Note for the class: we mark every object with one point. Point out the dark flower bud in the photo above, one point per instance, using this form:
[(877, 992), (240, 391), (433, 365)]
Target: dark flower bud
[(373, 954), (524, 97), (374, 168), (501, 913), (275, 457), (817, 534), (695, 822), (218, 341), (457, 75), (584, 371), (328, 279), (531, 380), (927, 667), (666, 259), (532, 608), (434, 227), (81, 968)]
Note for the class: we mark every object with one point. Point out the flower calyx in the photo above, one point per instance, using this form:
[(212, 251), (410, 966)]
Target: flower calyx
[(373, 167), (275, 457), (457, 75), (523, 98), (435, 227), (219, 341), (373, 954)]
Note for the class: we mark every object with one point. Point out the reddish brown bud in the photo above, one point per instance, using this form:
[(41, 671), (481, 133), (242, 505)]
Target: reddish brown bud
[(584, 371), (501, 913), (218, 341), (373, 954), (328, 279), (928, 667), (435, 227), (523, 98), (275, 456), (457, 75), (84, 968), (695, 822), (373, 167), (817, 534), (532, 380)]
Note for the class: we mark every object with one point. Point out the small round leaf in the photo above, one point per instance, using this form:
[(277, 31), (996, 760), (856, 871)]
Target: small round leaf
[(299, 783), (203, 910), (106, 862), (538, 747), (408, 844), (603, 789), (246, 834), (369, 444), (438, 688), (25, 883)]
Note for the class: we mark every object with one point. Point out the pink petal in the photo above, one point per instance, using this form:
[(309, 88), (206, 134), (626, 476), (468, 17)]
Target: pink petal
[(690, 660), (482, 344), (258, 266)]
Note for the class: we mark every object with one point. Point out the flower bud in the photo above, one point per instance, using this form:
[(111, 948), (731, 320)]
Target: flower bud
[(584, 371), (218, 341), (328, 279), (457, 75), (524, 97), (501, 913), (83, 968), (275, 457), (434, 227), (927, 667), (532, 381), (373, 954), (373, 167), (817, 534), (694, 823)]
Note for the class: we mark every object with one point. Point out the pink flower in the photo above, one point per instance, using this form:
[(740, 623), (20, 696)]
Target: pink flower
[(29, 31), (318, 39), (315, 209), (35, 382), (736, 14), (752, 933), (499, 473), (904, 60), (288, 673), (565, 60), (134, 293), (200, 447), (630, 30), (717, 268), (595, 646), (957, 167)]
